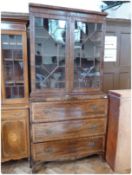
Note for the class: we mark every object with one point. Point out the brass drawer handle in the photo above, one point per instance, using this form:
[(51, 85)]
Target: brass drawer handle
[(71, 149), (94, 126), (46, 111), (71, 146), (49, 131), (50, 111), (91, 144), (48, 150), (94, 107)]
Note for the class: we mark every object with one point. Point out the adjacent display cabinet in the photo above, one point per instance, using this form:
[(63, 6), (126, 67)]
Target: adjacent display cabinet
[(118, 147), (15, 107), (67, 108)]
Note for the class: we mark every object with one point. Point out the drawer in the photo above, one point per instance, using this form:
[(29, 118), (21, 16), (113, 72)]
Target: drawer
[(14, 114), (67, 149), (56, 111), (68, 129)]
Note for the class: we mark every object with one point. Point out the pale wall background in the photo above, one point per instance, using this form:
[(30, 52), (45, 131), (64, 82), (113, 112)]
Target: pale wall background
[(22, 6), (124, 11)]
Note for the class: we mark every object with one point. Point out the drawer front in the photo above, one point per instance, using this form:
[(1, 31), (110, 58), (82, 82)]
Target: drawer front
[(54, 111), (67, 149), (68, 129), (13, 114)]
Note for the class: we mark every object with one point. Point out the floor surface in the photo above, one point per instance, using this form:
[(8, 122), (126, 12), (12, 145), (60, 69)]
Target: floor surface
[(90, 165)]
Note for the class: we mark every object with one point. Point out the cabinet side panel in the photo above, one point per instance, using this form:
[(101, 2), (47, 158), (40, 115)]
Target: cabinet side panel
[(113, 116), (123, 155)]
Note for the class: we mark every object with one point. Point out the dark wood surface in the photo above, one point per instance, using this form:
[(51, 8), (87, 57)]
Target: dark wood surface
[(12, 16), (58, 126), (68, 129), (47, 7), (58, 111), (67, 149), (14, 134), (13, 113), (112, 132), (118, 147)]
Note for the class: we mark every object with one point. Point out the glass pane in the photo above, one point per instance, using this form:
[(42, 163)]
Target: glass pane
[(13, 65), (17, 54), (50, 53), (87, 45), (8, 67), (14, 90)]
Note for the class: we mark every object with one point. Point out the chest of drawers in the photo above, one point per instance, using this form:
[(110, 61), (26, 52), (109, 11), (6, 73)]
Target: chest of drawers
[(66, 130)]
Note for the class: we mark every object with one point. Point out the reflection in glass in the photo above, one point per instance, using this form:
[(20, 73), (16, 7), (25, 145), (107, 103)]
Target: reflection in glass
[(87, 45), (13, 65), (50, 53), (14, 91)]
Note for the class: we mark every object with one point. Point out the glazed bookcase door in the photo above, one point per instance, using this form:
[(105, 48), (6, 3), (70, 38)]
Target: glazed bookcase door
[(14, 67), (50, 45), (87, 55), (67, 54)]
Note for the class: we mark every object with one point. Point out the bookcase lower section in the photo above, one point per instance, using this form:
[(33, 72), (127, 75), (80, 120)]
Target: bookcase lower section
[(67, 130)]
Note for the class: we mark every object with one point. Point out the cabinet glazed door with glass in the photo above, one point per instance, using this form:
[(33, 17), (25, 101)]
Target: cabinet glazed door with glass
[(50, 55), (67, 54), (87, 55), (13, 67)]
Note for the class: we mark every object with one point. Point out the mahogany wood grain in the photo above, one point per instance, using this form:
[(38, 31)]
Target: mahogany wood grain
[(55, 111), (61, 96), (14, 135), (16, 106), (112, 130), (48, 7), (9, 114), (67, 149), (15, 16), (68, 129), (118, 147)]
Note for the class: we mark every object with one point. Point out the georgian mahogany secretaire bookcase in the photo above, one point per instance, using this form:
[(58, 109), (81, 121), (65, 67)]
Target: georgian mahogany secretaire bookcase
[(67, 107)]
